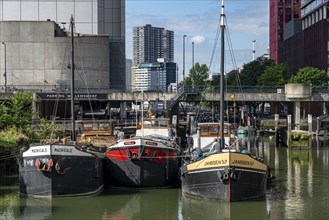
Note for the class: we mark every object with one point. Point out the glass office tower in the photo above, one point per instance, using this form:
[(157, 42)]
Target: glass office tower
[(91, 17)]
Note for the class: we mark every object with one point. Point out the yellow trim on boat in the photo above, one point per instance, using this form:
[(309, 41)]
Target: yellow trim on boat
[(227, 159)]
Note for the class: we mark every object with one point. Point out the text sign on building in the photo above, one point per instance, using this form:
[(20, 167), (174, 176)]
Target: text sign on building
[(67, 96)]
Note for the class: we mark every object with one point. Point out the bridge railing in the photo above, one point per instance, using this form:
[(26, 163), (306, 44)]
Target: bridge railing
[(187, 89)]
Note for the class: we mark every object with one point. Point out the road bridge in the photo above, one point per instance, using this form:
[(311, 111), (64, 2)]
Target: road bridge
[(261, 96), (296, 95)]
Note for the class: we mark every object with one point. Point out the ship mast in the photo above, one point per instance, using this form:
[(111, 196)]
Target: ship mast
[(222, 28), (72, 82)]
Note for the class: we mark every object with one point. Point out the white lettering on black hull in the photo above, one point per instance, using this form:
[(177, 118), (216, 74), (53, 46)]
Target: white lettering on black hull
[(39, 150), (66, 150), (33, 151)]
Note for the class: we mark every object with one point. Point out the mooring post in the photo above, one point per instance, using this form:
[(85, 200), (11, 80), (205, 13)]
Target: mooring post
[(317, 126), (309, 121), (297, 115), (276, 121), (289, 123)]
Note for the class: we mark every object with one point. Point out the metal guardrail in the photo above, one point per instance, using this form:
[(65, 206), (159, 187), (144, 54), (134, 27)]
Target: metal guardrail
[(186, 89), (53, 88)]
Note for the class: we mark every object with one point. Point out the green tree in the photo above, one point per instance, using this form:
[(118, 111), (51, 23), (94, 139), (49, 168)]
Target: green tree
[(275, 75), (233, 77), (4, 116), (310, 75), (250, 72), (198, 76), (47, 129), (17, 111)]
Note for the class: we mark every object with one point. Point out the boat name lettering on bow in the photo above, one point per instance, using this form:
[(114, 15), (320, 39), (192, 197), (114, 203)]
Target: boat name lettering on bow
[(215, 162), (151, 143), (243, 162), (129, 143), (67, 150), (39, 150), (29, 162)]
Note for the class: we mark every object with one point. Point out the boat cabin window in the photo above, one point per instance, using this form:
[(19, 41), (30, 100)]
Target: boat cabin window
[(155, 124), (88, 127), (212, 130), (204, 130), (104, 126), (96, 126)]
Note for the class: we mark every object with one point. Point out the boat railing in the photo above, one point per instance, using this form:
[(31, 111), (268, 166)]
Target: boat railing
[(65, 124)]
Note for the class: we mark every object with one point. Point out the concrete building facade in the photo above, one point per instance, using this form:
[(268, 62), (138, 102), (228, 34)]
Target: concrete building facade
[(91, 17), (38, 56)]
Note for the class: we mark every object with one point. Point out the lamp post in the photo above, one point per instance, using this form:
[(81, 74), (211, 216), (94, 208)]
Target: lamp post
[(193, 65), (253, 50), (5, 74), (193, 55), (184, 56)]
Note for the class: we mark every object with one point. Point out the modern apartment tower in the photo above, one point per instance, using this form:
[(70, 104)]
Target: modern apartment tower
[(151, 43), (155, 76), (281, 12), (91, 17)]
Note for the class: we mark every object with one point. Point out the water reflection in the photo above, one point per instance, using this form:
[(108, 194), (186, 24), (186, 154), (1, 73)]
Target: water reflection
[(301, 188), (196, 208), (299, 191), (113, 204)]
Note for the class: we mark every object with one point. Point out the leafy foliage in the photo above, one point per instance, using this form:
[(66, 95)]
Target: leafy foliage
[(17, 111), (310, 75), (232, 78), (198, 76), (275, 75), (16, 115), (253, 70), (10, 137), (47, 130)]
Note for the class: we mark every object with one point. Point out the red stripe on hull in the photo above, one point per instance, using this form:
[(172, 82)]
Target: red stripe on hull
[(159, 155)]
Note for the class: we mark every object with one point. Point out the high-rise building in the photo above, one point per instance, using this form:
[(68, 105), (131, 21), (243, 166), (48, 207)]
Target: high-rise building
[(128, 74), (156, 76), (306, 39), (91, 17), (281, 12), (151, 43)]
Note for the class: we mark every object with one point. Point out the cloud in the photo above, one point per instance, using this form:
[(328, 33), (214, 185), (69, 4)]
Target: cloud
[(246, 21), (198, 39)]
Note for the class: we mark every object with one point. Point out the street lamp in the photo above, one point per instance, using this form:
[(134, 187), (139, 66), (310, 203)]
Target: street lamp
[(184, 56), (253, 50), (5, 74), (192, 54), (193, 65)]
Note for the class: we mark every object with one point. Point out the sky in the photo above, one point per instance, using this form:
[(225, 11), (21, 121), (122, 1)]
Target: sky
[(246, 21)]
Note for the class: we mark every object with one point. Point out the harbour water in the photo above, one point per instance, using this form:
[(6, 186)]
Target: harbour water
[(299, 191)]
